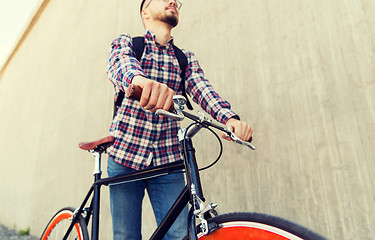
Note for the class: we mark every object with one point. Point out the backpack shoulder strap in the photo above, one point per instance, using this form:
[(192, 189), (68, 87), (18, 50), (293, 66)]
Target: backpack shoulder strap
[(183, 62), (138, 47)]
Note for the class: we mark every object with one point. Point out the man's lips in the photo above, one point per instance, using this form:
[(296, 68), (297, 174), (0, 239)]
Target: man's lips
[(172, 8)]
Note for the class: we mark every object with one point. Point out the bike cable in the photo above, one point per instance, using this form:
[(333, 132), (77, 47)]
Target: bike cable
[(220, 153), (185, 152), (217, 137)]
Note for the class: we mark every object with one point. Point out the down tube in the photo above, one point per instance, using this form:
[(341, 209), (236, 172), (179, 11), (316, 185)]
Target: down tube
[(172, 214)]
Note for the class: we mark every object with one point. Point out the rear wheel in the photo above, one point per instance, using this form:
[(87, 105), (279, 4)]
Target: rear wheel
[(60, 223), (247, 226)]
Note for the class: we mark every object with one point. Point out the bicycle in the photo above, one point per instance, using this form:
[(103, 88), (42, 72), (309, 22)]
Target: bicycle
[(70, 223)]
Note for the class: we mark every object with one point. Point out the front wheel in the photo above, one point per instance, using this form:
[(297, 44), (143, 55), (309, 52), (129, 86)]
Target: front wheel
[(247, 226), (60, 223)]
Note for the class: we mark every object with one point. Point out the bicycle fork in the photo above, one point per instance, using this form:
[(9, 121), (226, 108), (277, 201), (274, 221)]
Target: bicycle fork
[(199, 208)]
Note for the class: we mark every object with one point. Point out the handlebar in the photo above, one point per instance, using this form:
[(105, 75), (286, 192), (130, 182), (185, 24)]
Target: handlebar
[(226, 129), (176, 112)]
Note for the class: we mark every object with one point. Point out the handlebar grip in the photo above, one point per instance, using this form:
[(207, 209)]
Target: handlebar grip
[(133, 92)]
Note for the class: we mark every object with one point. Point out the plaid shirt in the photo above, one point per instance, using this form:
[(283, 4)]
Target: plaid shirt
[(141, 137)]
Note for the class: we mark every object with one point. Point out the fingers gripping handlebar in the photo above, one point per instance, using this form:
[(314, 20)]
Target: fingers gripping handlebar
[(176, 112), (135, 92)]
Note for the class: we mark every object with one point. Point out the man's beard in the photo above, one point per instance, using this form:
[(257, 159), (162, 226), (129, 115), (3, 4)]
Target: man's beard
[(169, 19)]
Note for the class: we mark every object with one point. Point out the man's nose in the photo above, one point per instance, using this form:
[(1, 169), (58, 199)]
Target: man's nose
[(173, 2)]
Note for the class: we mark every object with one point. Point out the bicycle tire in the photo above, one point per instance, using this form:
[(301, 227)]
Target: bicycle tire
[(59, 224), (256, 226)]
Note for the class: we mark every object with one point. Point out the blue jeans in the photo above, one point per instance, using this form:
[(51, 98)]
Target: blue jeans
[(126, 203)]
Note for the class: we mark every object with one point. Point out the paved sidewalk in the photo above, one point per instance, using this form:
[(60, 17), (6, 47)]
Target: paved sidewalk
[(10, 234)]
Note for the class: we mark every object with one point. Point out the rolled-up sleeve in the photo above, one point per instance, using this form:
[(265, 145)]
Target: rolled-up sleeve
[(203, 93), (122, 64)]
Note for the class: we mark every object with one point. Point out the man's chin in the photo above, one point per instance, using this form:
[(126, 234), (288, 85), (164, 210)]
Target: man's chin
[(171, 20)]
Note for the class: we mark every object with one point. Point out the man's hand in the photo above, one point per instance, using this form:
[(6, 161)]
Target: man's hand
[(242, 130), (155, 95)]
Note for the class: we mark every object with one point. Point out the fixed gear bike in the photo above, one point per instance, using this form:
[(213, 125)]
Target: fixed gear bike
[(71, 223)]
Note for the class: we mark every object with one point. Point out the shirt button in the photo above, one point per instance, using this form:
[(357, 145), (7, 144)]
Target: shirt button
[(163, 68), (155, 144)]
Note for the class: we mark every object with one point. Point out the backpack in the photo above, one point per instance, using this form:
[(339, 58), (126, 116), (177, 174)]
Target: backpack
[(138, 48)]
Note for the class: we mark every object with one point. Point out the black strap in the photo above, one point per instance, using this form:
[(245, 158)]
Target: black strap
[(182, 61), (138, 48)]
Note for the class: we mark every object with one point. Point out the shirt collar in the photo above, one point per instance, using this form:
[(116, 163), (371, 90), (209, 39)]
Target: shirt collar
[(150, 37)]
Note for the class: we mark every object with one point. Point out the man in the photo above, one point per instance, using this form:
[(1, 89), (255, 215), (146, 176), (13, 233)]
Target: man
[(144, 139)]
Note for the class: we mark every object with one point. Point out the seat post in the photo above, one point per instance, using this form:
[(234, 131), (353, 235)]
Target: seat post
[(96, 204), (98, 167), (96, 148)]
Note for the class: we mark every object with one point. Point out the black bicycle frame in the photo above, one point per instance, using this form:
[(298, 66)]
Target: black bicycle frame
[(192, 178)]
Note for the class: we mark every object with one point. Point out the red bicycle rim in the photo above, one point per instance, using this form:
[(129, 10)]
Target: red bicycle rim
[(55, 221), (248, 231)]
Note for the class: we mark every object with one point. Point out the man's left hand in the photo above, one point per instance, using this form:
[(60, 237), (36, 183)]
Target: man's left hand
[(242, 130)]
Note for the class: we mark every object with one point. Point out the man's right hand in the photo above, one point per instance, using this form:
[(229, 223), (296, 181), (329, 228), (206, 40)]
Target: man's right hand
[(155, 95)]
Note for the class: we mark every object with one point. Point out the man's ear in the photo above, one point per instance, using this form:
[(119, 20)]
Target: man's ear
[(145, 15)]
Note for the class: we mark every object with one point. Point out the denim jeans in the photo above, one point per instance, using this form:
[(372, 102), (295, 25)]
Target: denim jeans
[(126, 203)]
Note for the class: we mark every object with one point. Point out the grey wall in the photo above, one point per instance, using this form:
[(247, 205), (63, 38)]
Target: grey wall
[(301, 72)]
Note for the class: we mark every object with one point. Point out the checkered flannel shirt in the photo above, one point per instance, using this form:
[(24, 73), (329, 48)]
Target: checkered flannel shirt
[(141, 137)]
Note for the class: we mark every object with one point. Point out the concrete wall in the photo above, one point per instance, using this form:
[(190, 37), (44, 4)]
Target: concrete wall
[(301, 72)]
